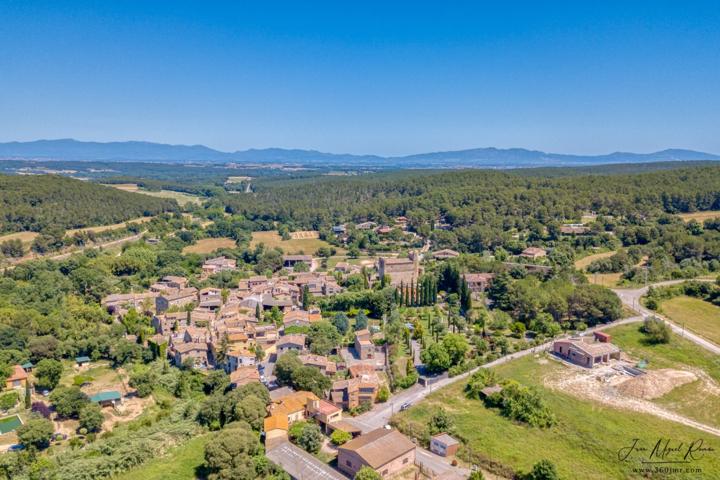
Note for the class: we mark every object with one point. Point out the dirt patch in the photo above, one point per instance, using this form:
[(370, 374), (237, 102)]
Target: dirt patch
[(131, 408), (655, 383), (604, 385)]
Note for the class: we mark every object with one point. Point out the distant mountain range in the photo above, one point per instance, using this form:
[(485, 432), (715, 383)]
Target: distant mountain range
[(74, 150)]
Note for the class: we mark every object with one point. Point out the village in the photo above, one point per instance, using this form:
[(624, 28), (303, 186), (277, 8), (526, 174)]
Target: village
[(346, 343)]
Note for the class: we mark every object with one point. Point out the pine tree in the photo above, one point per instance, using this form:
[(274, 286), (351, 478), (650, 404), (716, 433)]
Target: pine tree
[(257, 312)]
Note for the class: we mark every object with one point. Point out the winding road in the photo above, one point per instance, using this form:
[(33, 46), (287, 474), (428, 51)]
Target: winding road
[(381, 413), (631, 299)]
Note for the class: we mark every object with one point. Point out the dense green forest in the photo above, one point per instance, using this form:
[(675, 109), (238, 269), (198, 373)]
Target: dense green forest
[(41, 202), (496, 212), (493, 199)]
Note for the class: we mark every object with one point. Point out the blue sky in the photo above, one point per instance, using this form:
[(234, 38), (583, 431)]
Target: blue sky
[(364, 77)]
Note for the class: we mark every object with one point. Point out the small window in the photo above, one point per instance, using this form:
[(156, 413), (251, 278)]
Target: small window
[(385, 472), (405, 460), (348, 463)]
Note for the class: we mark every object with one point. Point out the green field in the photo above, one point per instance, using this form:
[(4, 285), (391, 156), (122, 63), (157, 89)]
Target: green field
[(697, 315), (585, 442), (272, 239), (180, 463)]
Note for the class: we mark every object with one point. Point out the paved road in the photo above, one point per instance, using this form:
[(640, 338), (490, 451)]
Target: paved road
[(631, 299), (381, 413)]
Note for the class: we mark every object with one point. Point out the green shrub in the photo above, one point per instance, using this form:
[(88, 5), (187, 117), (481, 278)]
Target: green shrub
[(339, 437), (8, 400)]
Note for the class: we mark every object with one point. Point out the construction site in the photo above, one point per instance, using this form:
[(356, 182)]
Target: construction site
[(628, 384)]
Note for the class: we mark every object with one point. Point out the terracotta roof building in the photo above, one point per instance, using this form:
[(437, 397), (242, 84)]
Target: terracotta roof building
[(385, 451), (584, 353), (17, 379)]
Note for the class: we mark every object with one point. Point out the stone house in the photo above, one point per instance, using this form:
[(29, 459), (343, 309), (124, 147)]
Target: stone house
[(385, 451), (585, 353), (364, 346)]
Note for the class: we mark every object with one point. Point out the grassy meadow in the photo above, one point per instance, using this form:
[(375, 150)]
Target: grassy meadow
[(183, 462), (272, 239), (180, 197), (209, 245), (585, 441), (583, 262), (695, 314)]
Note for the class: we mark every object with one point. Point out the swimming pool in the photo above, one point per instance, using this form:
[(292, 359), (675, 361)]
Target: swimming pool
[(8, 424)]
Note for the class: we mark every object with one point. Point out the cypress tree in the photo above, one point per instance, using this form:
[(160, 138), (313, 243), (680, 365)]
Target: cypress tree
[(28, 400)]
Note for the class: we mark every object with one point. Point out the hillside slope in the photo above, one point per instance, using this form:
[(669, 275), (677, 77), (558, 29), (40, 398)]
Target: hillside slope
[(38, 202)]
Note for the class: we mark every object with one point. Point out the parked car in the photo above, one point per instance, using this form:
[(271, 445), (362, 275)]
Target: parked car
[(405, 406)]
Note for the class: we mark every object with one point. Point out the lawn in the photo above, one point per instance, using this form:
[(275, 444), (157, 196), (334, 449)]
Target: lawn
[(697, 315), (585, 441), (700, 216), (209, 245), (272, 239), (180, 463)]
